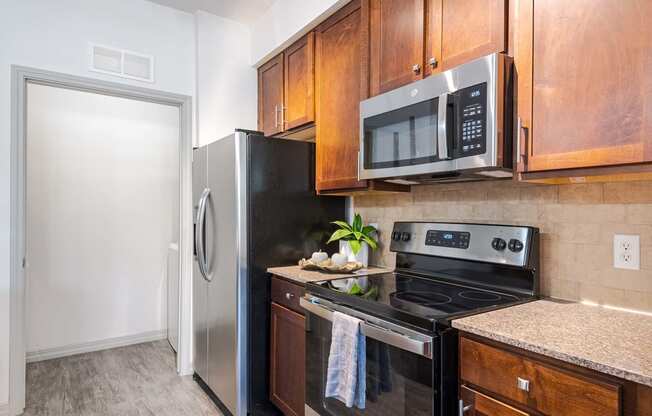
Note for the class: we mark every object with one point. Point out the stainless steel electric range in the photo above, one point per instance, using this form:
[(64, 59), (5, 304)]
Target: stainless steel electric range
[(443, 271)]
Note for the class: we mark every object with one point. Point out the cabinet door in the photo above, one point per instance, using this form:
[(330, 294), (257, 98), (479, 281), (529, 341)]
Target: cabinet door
[(395, 43), (477, 404), (270, 96), (433, 37), (585, 69), (471, 29), (341, 83), (300, 83), (288, 360)]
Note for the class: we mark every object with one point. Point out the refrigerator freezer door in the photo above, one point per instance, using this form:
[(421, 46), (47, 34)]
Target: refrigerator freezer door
[(222, 236), (200, 285)]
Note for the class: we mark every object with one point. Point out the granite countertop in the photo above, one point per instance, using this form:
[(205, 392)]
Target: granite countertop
[(606, 340), (295, 273)]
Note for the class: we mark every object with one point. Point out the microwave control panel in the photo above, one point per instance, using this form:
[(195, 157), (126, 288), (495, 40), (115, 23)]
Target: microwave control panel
[(471, 120)]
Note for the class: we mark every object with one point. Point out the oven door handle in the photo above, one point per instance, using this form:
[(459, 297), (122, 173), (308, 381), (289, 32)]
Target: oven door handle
[(410, 341)]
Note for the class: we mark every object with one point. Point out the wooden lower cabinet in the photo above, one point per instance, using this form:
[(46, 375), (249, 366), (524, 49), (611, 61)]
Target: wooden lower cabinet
[(288, 360), (501, 380)]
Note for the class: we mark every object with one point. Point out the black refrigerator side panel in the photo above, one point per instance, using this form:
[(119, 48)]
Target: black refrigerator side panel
[(287, 222)]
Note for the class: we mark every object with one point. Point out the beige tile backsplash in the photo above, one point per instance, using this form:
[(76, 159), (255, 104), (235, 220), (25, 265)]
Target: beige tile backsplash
[(577, 224)]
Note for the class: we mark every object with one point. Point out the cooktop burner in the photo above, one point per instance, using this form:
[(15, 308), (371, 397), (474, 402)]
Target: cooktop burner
[(419, 299), (479, 296)]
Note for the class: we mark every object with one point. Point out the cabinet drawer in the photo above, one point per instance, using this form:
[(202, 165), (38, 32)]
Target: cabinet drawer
[(541, 387), (287, 294)]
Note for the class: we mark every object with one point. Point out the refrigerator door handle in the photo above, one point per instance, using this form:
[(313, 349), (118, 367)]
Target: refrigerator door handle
[(199, 235)]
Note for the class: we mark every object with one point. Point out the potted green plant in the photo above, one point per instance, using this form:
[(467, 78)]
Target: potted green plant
[(355, 239)]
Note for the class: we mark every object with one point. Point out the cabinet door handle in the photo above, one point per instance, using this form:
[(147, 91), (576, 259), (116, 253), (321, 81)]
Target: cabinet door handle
[(433, 62), (282, 117), (416, 68), (523, 384), (461, 409), (521, 153), (289, 296), (275, 116)]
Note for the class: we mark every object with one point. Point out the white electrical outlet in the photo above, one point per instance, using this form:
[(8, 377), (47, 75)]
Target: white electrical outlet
[(627, 252)]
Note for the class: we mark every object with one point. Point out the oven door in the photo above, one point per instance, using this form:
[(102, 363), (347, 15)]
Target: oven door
[(400, 369)]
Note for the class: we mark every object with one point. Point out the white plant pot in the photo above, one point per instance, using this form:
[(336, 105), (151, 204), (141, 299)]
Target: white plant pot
[(362, 256)]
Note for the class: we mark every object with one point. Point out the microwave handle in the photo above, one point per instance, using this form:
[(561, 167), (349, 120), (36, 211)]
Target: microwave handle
[(442, 135)]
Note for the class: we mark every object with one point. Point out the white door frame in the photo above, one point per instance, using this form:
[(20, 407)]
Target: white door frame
[(20, 76)]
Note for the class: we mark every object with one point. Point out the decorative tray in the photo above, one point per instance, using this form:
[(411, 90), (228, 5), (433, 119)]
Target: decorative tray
[(328, 266)]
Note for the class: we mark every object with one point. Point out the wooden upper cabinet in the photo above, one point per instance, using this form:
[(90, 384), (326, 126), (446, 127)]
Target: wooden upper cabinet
[(396, 43), (432, 63), (585, 90), (270, 96), (340, 85), (300, 83), (471, 29)]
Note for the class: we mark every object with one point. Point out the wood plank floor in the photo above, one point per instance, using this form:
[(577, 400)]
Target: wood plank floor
[(128, 381)]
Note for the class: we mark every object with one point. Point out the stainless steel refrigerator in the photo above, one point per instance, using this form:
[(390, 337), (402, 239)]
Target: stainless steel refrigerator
[(255, 207)]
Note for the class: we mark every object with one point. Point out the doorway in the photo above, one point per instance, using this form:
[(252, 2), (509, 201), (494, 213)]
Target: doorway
[(100, 190)]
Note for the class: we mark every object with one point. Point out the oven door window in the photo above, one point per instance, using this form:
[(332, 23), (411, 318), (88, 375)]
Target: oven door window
[(403, 137), (398, 382)]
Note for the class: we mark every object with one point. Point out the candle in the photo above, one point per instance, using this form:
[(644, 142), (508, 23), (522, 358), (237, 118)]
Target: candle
[(319, 256), (338, 259)]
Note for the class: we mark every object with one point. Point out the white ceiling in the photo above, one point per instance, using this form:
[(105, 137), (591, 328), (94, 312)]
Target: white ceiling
[(244, 11)]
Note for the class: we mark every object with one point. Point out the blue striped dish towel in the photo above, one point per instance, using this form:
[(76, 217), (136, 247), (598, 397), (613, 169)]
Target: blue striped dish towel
[(346, 377)]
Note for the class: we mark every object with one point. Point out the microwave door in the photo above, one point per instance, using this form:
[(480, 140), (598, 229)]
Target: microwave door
[(401, 138)]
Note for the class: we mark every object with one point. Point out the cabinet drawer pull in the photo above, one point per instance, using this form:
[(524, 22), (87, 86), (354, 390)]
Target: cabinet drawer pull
[(289, 296), (416, 68), (461, 409), (523, 384)]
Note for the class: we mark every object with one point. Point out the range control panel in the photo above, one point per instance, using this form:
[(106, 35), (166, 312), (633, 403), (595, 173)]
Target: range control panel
[(471, 128), (503, 244), (452, 239)]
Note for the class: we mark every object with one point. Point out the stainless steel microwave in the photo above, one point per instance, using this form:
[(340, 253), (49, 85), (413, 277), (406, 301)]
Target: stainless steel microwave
[(452, 126)]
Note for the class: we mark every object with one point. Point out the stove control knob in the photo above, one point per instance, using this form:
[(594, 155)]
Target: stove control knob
[(515, 245), (405, 236), (498, 244), (396, 235)]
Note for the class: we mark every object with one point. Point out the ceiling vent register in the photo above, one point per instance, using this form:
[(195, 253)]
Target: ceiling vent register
[(122, 63)]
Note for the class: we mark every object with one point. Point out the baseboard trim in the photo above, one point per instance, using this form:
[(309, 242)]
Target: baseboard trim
[(4, 409), (105, 344)]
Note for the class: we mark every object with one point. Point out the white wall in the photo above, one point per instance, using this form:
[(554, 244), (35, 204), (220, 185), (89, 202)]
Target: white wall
[(226, 82), (53, 35), (285, 22), (101, 179)]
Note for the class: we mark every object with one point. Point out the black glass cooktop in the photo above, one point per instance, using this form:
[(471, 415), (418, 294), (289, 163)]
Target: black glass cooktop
[(418, 301)]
